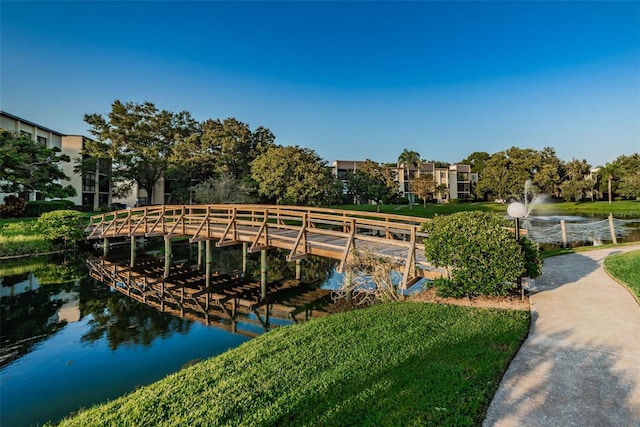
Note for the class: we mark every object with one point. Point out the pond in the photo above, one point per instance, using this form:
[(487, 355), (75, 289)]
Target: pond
[(70, 341)]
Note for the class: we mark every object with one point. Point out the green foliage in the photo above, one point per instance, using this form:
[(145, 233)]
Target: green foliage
[(625, 268), (292, 176), (139, 139), (26, 165), (372, 181), (424, 186), (575, 184), (13, 206), (630, 185), (66, 225), (38, 207), (225, 189), (476, 160), (389, 365), (504, 173), (482, 257)]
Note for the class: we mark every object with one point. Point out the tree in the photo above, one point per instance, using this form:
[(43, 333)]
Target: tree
[(609, 173), (506, 172), (292, 175), (476, 160), (408, 159), (28, 166), (630, 185), (139, 139), (442, 190), (423, 186), (548, 176), (628, 167), (224, 189), (575, 183), (372, 181)]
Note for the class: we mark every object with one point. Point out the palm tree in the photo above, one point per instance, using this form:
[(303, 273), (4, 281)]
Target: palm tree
[(408, 159), (442, 190), (609, 172)]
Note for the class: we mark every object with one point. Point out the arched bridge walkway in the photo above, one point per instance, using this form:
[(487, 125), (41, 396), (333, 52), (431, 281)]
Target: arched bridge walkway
[(303, 231)]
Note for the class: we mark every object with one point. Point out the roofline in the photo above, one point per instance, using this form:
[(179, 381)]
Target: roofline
[(30, 123)]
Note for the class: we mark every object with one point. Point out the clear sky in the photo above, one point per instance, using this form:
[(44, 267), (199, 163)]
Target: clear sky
[(351, 80)]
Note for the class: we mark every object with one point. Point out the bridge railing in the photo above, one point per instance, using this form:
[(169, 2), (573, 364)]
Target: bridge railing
[(196, 220)]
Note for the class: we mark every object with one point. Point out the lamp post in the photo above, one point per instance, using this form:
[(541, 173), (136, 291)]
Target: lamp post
[(517, 210)]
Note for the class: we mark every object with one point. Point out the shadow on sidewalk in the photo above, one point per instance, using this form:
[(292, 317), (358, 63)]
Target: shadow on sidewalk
[(570, 385)]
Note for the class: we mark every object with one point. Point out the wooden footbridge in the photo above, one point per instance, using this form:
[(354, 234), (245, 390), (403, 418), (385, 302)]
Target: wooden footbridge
[(303, 231)]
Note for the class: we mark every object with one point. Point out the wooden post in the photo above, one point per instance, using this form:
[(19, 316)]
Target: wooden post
[(263, 273), (105, 246), (133, 252), (167, 257), (207, 273), (245, 250), (614, 239), (563, 228), (298, 269), (162, 296), (200, 260)]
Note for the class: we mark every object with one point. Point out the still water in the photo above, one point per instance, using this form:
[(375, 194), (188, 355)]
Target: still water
[(69, 341)]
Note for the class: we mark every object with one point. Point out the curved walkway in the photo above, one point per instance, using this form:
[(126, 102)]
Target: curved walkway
[(580, 365)]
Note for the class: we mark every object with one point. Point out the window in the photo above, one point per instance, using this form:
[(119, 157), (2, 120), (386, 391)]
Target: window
[(89, 181), (463, 176), (25, 133), (103, 184), (463, 187), (42, 140)]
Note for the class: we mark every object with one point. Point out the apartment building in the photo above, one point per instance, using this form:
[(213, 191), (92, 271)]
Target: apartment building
[(458, 178), (92, 188)]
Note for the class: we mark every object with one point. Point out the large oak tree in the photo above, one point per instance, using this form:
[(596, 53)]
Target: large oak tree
[(292, 175), (139, 138)]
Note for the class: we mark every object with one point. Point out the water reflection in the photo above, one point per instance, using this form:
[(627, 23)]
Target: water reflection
[(231, 302), (61, 326)]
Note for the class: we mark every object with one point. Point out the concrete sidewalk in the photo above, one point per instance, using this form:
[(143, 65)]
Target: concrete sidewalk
[(580, 365)]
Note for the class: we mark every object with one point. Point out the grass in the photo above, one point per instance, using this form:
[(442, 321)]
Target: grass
[(396, 364), (22, 237), (625, 268), (626, 208)]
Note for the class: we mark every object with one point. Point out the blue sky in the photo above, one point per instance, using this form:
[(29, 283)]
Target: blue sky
[(351, 80)]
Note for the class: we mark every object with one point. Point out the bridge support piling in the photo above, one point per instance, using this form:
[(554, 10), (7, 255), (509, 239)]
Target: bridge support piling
[(105, 247), (200, 257), (207, 273), (245, 251), (133, 252), (167, 256), (298, 269), (263, 273)]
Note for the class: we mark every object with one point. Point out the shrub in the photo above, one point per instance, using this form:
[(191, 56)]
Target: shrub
[(37, 208), (13, 206), (480, 254), (65, 225)]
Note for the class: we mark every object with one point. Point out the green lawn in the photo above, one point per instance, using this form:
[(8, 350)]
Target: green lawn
[(625, 208), (21, 237), (409, 364), (625, 267)]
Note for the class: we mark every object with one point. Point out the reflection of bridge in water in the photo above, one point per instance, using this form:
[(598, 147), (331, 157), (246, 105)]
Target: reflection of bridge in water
[(302, 231), (231, 302)]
